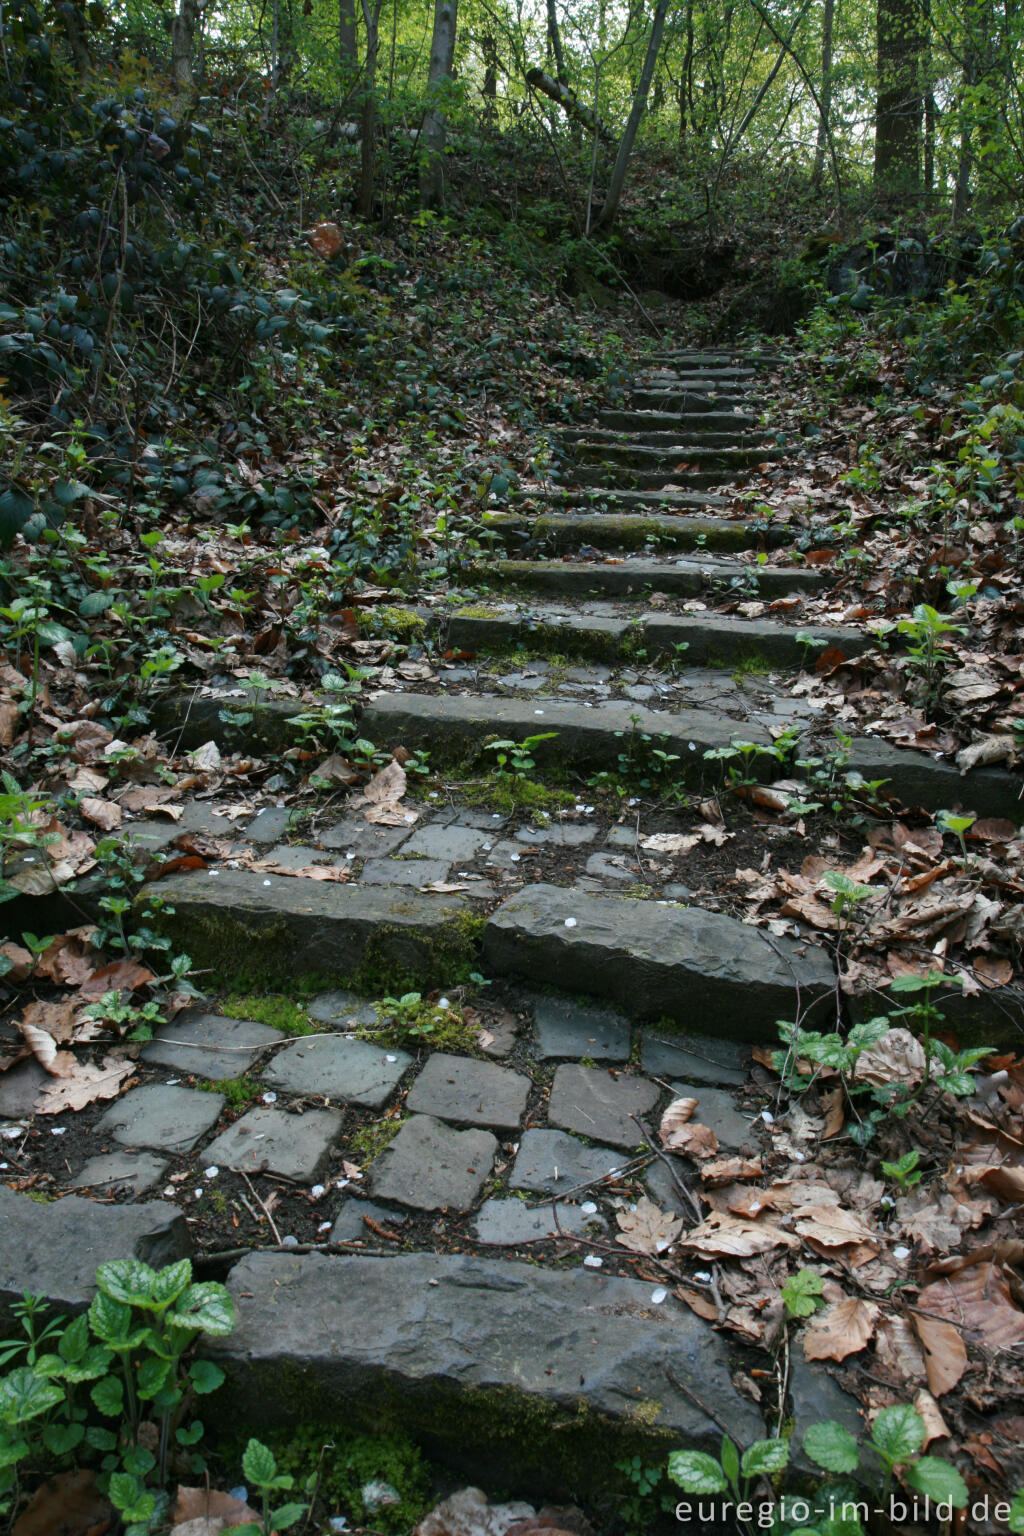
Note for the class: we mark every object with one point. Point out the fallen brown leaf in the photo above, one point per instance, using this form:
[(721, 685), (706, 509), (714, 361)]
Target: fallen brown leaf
[(647, 1229), (945, 1354), (843, 1330), (87, 1083), (736, 1237)]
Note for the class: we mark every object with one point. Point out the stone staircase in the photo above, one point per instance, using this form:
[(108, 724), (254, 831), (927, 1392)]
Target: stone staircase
[(622, 987)]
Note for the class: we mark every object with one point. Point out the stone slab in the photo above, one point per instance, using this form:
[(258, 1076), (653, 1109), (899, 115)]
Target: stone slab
[(337, 1068), (272, 1141), (363, 840), (470, 1092), (663, 1190), (401, 871), (701, 969), (301, 856), (716, 1107), (350, 1227), (700, 1059), (281, 927), (269, 825), (685, 578), (345, 1009), (210, 1045), (485, 1361), (594, 1103), (562, 835), (431, 1167), (919, 780), (449, 843), (610, 866), (162, 1117), (507, 1223), (454, 727), (552, 1163), (54, 1250), (134, 1171), (20, 1087), (571, 1029)]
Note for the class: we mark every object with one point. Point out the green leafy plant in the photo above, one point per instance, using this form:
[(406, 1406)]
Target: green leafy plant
[(260, 1469), (904, 1173), (514, 760), (801, 1294)]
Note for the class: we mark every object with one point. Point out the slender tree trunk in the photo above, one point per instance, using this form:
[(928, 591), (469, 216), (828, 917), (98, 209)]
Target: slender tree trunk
[(555, 43), (569, 103), (434, 130), (899, 102), (489, 89), (183, 31), (686, 77), (824, 116), (348, 50), (368, 116), (618, 176)]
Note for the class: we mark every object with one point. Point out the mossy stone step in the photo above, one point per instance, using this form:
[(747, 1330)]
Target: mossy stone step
[(624, 530), (715, 439), (273, 928), (708, 973), (671, 455), (545, 1378), (613, 498), (613, 477), (696, 378), (454, 728), (688, 401), (634, 576), (709, 639), (673, 421)]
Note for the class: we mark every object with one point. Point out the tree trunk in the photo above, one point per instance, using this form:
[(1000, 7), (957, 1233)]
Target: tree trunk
[(555, 43), (348, 52), (434, 130), (570, 104), (368, 115), (618, 176), (183, 31), (824, 116), (899, 102)]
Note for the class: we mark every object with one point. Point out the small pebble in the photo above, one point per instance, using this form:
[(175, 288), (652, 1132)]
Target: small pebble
[(588, 1208), (390, 1058), (325, 1226), (170, 1192), (442, 1003), (212, 1171), (901, 1253), (266, 882), (289, 1241), (270, 1098), (318, 1191), (570, 922), (592, 1261), (703, 1276), (58, 1130), (659, 1295), (198, 1193), (767, 1117)]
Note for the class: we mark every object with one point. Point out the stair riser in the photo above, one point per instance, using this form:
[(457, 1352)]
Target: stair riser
[(687, 402), (623, 531), (633, 422), (634, 577), (653, 479), (659, 438), (670, 455)]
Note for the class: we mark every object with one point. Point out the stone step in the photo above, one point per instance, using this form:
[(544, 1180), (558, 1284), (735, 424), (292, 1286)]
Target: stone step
[(454, 729), (623, 530), (662, 438), (273, 928), (623, 477), (672, 421), (541, 1377), (697, 378), (707, 972), (688, 403), (714, 357), (632, 577), (610, 497), (671, 455), (605, 634)]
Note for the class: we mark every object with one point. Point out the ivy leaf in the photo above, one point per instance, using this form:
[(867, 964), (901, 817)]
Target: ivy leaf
[(831, 1446), (696, 1472), (938, 1481), (898, 1432)]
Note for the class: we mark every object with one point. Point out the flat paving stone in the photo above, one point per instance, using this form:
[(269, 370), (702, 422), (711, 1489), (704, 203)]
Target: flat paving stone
[(447, 843), (20, 1087), (346, 1009), (716, 1107), (432, 1167), (337, 1068), (136, 1171), (566, 835), (665, 1192), (699, 968), (350, 1227), (402, 871), (301, 856), (427, 1330), (701, 1059), (161, 1116), (364, 840), (552, 1163), (54, 1250), (595, 1104), (470, 1092), (210, 1045), (269, 825), (507, 1223), (610, 866), (567, 1028), (272, 1141)]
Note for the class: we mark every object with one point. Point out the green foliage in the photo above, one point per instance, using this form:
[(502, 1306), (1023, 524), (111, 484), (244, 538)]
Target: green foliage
[(801, 1294), (126, 1360), (260, 1469), (381, 1481), (411, 1019)]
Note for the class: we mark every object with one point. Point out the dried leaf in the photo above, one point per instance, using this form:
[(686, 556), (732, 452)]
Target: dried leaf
[(646, 1229), (68, 1504), (102, 813), (945, 1354), (977, 1299), (722, 1234), (843, 1330), (829, 1226), (210, 1504), (676, 1115), (87, 1083), (44, 1049)]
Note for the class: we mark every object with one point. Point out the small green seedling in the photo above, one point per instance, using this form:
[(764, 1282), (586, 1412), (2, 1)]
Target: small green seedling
[(904, 1173), (801, 1294)]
